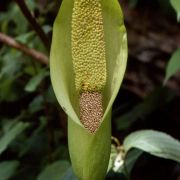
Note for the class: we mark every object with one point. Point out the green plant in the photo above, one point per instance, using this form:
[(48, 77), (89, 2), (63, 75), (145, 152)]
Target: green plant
[(33, 141), (94, 146), (176, 6)]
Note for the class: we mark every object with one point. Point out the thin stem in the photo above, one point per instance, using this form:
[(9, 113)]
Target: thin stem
[(23, 48), (36, 26)]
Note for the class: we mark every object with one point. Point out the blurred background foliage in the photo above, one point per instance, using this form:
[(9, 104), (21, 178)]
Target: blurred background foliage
[(33, 133)]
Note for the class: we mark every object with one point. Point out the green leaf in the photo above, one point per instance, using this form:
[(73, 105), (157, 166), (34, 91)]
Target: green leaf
[(61, 67), (26, 37), (6, 93), (9, 73), (154, 142), (47, 29), (10, 135), (36, 104), (14, 15), (37, 143), (130, 160), (7, 169), (55, 171), (35, 81), (69, 175), (10, 63), (176, 6), (173, 65), (50, 96)]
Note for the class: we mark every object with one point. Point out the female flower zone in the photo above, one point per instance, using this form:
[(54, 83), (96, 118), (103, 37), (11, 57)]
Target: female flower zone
[(87, 64)]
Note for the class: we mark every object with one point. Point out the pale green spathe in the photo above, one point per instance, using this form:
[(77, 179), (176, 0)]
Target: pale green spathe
[(89, 153), (61, 67)]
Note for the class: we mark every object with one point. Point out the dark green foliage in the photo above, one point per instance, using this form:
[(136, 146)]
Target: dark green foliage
[(31, 136)]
